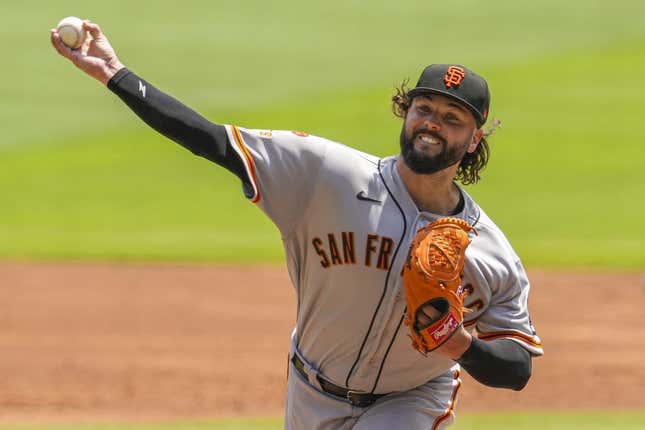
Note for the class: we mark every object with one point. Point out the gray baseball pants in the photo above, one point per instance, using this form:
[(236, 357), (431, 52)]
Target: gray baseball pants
[(429, 406)]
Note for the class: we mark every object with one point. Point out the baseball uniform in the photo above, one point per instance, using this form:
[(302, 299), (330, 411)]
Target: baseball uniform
[(346, 221)]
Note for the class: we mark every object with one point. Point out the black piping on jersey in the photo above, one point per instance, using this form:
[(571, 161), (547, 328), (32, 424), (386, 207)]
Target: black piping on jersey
[(362, 155), (479, 214), (387, 278), (387, 352)]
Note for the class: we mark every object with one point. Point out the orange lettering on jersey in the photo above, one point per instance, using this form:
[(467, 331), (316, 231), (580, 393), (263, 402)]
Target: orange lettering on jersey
[(348, 247), (300, 133), (387, 246), (333, 250), (454, 76), (324, 262), (370, 248)]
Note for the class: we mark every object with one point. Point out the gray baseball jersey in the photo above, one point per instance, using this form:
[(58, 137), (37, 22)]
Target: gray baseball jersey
[(346, 222)]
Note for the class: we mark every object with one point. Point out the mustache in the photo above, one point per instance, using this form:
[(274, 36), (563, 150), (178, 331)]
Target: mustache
[(429, 133)]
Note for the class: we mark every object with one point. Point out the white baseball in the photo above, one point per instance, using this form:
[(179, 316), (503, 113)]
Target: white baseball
[(71, 31)]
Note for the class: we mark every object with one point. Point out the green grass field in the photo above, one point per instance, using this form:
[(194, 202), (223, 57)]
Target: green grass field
[(510, 421), (82, 178)]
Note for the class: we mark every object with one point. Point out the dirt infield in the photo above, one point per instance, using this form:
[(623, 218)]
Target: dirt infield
[(95, 342)]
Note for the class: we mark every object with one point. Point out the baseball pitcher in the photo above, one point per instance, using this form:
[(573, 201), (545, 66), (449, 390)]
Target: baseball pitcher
[(402, 280)]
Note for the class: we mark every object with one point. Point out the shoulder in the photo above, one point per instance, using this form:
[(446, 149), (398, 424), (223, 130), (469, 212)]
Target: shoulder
[(491, 257), (491, 241), (338, 156), (302, 141), (280, 138), (331, 165)]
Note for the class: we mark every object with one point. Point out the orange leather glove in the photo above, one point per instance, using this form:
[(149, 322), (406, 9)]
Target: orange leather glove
[(432, 282)]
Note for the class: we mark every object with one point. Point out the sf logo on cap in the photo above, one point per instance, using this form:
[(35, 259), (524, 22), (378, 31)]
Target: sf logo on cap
[(454, 76)]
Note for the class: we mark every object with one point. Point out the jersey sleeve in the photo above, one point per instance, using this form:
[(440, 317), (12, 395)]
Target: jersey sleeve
[(281, 171), (507, 316)]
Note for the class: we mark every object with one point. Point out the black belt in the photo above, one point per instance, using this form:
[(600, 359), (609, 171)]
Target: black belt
[(356, 398)]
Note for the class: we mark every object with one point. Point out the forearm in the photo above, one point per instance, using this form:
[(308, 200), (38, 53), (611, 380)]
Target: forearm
[(500, 363), (176, 121)]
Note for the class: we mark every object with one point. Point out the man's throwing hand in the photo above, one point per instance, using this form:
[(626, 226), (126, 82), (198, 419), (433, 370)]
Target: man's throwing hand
[(96, 57)]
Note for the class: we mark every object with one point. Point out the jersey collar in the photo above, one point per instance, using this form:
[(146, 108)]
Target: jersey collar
[(469, 213)]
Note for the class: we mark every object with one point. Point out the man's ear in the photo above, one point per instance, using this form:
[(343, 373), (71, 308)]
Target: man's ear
[(477, 137)]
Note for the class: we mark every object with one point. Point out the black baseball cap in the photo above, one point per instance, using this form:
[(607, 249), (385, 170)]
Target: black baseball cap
[(459, 83)]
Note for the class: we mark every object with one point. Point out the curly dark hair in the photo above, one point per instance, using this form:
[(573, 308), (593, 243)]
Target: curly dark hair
[(472, 163)]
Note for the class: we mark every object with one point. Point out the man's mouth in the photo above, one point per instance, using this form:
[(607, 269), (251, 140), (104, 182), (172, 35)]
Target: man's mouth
[(429, 139)]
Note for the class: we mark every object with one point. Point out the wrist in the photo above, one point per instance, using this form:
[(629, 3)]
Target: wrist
[(111, 69), (458, 343)]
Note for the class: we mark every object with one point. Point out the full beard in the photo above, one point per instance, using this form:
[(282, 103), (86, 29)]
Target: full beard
[(425, 164)]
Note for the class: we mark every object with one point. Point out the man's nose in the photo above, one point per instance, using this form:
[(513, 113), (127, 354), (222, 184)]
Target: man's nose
[(431, 122)]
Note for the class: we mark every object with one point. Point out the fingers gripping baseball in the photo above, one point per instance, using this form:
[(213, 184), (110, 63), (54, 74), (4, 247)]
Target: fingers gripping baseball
[(95, 56), (432, 282)]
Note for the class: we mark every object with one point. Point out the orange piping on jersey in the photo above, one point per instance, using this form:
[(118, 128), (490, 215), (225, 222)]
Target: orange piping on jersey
[(453, 400), (249, 159), (511, 334), (471, 322)]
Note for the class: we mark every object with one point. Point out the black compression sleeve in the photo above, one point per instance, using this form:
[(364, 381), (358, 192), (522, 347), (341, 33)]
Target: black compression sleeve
[(176, 121), (499, 363)]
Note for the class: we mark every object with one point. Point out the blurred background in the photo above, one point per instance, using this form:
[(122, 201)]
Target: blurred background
[(82, 179)]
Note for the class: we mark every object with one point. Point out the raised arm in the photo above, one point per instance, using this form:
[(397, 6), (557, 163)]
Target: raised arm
[(168, 116)]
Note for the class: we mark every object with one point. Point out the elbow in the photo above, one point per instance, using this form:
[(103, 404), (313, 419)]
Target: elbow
[(499, 364), (521, 375)]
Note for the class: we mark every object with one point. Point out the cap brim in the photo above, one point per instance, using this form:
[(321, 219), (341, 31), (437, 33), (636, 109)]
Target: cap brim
[(419, 91)]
